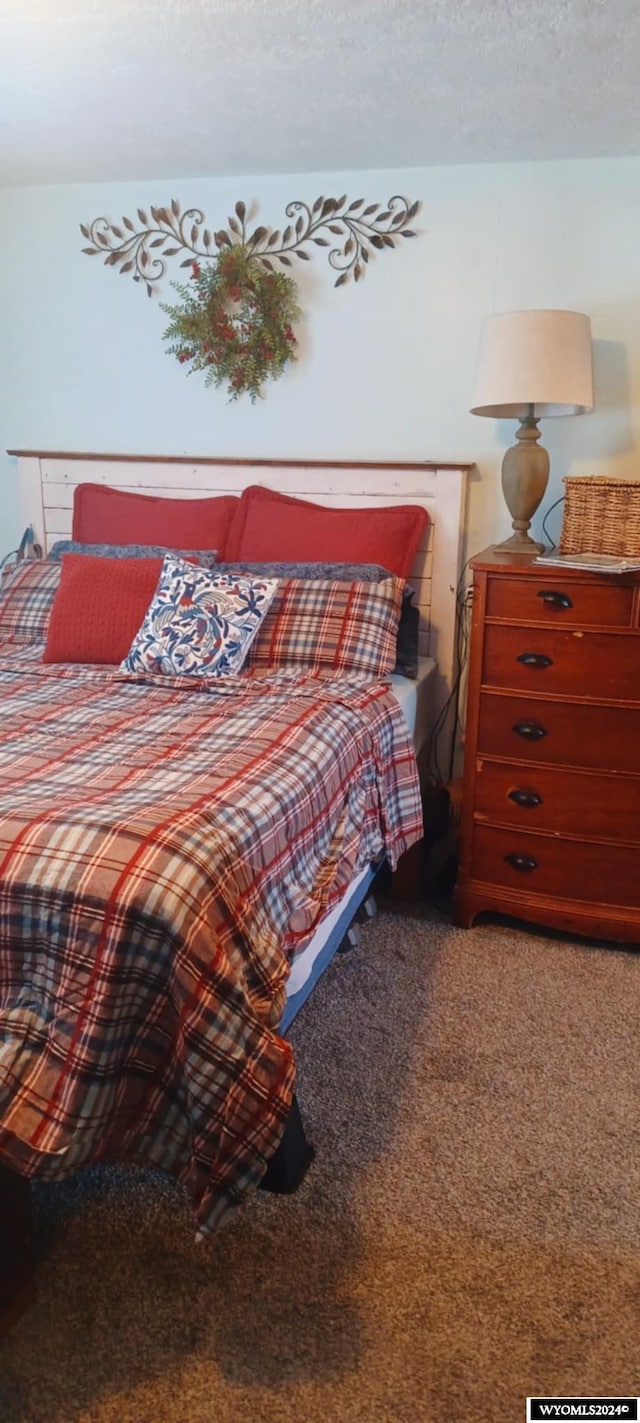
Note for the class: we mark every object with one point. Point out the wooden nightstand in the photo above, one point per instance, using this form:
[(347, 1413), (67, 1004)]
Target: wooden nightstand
[(550, 826)]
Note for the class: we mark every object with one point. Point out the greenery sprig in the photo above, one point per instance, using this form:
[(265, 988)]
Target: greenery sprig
[(234, 321)]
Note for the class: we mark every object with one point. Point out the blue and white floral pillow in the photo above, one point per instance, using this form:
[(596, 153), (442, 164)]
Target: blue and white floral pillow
[(199, 623)]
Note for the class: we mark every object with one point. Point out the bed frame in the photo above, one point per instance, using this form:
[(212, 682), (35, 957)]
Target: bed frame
[(48, 480)]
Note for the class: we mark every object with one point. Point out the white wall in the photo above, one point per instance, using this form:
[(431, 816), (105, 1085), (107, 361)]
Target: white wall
[(385, 368)]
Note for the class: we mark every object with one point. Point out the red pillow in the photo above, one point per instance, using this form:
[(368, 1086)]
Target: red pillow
[(103, 515), (99, 606), (276, 526)]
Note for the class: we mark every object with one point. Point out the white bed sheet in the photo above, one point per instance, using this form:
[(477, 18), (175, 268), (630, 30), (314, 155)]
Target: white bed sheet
[(413, 697)]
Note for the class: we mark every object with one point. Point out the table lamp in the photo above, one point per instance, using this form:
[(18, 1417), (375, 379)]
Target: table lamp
[(531, 364)]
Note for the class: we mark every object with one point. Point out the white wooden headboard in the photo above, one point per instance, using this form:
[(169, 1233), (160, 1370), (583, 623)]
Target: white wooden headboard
[(48, 480)]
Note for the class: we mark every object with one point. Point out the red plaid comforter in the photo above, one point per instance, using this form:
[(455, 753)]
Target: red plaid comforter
[(163, 853)]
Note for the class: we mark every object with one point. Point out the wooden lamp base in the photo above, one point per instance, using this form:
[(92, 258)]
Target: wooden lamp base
[(525, 475)]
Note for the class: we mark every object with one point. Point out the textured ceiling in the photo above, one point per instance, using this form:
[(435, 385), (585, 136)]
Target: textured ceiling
[(92, 90)]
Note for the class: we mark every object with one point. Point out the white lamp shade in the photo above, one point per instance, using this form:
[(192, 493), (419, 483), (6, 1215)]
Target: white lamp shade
[(539, 358)]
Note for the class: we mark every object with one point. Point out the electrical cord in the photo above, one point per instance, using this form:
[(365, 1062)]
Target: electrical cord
[(545, 530), (27, 548)]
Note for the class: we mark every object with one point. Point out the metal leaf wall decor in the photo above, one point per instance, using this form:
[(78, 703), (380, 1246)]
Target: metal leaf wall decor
[(350, 230)]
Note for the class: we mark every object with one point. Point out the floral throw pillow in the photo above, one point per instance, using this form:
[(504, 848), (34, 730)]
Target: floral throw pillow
[(199, 623)]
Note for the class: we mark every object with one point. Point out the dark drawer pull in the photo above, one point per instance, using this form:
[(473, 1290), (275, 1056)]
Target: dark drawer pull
[(554, 599), (530, 730), (535, 659), (524, 863), (527, 799)]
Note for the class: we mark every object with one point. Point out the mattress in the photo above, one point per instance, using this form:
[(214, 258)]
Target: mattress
[(310, 963), (414, 698)]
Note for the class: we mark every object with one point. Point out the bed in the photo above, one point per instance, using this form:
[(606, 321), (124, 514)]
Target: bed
[(351, 741)]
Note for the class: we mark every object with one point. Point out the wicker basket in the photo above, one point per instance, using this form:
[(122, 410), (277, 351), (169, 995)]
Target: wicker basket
[(601, 515)]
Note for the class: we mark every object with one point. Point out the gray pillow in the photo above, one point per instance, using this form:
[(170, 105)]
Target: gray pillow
[(207, 557), (345, 572), (408, 626)]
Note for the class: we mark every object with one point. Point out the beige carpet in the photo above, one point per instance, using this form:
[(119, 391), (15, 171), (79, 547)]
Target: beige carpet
[(469, 1232)]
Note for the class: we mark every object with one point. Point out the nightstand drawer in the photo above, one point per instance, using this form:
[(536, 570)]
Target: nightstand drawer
[(546, 865), (549, 660), (556, 601), (574, 802), (559, 733)]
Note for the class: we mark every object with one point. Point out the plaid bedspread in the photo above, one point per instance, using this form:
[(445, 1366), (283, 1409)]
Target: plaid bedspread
[(163, 852)]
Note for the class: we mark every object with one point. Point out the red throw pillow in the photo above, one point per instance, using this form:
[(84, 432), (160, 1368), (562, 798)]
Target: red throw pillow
[(103, 515), (274, 526), (99, 606)]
